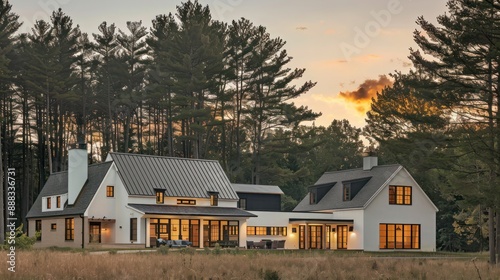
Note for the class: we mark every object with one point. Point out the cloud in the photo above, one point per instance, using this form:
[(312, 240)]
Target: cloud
[(366, 91), (368, 57), (403, 63)]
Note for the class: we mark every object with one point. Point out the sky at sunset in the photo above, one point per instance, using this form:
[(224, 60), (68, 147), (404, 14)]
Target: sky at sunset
[(347, 47)]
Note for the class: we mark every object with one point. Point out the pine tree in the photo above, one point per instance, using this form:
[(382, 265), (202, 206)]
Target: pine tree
[(8, 26), (464, 61)]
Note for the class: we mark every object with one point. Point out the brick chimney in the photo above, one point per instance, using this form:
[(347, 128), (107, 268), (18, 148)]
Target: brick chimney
[(369, 162), (77, 171)]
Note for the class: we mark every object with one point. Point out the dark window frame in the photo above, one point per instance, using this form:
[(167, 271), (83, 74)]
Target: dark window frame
[(186, 202), (53, 226), (38, 228), (389, 241), (69, 229), (160, 196), (313, 196), (133, 229), (110, 191), (58, 201), (214, 199), (242, 203), (400, 195), (346, 192), (49, 202)]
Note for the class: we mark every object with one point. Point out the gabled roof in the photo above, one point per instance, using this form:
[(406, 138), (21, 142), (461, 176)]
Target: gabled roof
[(263, 189), (179, 177), (379, 176), (57, 184), (191, 210)]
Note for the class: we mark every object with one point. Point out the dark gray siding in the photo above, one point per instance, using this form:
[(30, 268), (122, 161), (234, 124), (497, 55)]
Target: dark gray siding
[(261, 202)]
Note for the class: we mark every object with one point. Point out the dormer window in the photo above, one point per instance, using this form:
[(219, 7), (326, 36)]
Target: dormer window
[(347, 192), (313, 196), (160, 196), (58, 201), (49, 203), (214, 198)]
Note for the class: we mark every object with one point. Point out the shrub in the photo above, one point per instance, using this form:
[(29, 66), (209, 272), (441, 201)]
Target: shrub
[(22, 241), (271, 275), (217, 249)]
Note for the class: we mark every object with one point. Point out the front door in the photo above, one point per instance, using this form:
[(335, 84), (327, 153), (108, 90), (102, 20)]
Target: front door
[(95, 232)]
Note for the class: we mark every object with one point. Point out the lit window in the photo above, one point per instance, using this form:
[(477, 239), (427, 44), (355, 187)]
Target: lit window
[(110, 191), (400, 195), (58, 201), (160, 196), (186, 201), (214, 199), (49, 203), (399, 236), (53, 226), (251, 230), (70, 229)]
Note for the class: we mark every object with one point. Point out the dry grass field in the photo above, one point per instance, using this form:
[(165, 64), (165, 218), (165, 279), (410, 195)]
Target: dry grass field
[(243, 264)]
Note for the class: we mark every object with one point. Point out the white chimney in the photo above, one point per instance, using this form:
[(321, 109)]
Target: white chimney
[(77, 171), (369, 162)]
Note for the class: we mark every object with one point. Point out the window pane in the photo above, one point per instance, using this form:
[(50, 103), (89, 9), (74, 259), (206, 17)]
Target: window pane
[(416, 236), (383, 236), (407, 236)]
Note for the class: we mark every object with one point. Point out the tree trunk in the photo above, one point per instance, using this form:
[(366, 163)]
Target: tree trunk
[(498, 235), (491, 235)]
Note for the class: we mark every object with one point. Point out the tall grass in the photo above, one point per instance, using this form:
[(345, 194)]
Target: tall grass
[(243, 264)]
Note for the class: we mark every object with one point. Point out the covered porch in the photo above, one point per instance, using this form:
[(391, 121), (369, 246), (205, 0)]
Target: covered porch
[(100, 231), (330, 234), (201, 226)]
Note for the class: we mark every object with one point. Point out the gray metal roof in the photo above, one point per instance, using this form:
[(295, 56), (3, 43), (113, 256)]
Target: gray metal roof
[(179, 177), (334, 198), (57, 184), (247, 188), (191, 210)]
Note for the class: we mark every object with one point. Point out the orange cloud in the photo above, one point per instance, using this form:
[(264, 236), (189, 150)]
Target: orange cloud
[(366, 91)]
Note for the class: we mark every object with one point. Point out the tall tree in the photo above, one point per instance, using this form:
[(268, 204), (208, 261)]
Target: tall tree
[(8, 26), (161, 81), (271, 89), (195, 58), (132, 52), (464, 59), (105, 48)]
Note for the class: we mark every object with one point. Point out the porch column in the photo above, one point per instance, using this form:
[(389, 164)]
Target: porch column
[(148, 241), (306, 237), (323, 240), (201, 233)]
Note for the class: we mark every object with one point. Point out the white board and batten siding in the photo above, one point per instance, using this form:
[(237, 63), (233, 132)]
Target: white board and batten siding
[(422, 211)]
